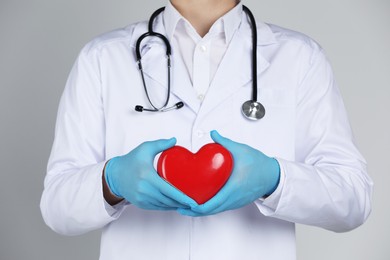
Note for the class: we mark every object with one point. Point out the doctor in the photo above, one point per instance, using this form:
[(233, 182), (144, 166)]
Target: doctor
[(298, 164)]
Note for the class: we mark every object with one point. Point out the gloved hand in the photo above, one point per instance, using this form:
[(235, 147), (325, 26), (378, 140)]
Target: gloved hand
[(254, 175), (133, 177)]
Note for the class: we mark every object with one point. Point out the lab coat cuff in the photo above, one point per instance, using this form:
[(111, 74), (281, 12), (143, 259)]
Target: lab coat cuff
[(268, 205), (115, 210)]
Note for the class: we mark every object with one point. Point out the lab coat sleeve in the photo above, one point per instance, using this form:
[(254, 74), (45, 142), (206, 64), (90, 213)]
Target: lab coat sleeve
[(327, 185), (72, 202)]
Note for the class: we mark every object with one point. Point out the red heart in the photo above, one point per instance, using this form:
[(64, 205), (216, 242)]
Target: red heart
[(200, 175)]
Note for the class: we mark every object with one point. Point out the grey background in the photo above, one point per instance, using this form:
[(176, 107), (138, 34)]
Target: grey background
[(40, 39)]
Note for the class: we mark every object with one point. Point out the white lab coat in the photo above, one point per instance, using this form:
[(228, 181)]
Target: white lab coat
[(305, 127)]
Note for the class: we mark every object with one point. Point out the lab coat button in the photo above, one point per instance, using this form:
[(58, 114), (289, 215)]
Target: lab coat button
[(203, 48), (200, 97)]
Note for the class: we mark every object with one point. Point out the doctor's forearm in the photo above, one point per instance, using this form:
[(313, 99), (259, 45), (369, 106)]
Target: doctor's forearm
[(72, 202), (339, 196)]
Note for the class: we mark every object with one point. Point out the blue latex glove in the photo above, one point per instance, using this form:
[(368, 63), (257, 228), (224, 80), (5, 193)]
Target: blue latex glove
[(133, 177), (254, 175)]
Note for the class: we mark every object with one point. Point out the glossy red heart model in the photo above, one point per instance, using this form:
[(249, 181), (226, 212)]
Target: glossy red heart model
[(200, 175)]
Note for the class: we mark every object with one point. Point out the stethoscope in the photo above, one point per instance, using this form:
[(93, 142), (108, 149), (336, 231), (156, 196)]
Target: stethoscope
[(251, 109)]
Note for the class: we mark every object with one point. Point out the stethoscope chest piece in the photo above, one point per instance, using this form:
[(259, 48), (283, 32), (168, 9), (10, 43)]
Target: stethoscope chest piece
[(253, 110)]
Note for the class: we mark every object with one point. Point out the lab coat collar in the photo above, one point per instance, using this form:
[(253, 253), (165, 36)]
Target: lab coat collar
[(167, 26), (171, 18), (230, 21)]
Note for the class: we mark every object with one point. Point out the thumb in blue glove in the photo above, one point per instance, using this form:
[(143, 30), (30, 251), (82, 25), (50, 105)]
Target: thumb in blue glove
[(254, 175), (133, 177)]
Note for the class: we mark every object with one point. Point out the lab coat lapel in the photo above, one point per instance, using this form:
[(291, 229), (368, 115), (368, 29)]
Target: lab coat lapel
[(153, 51), (235, 70), (154, 62), (155, 66)]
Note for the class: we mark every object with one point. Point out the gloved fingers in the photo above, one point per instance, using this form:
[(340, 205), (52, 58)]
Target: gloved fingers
[(170, 203), (195, 212), (189, 213), (210, 210), (225, 142), (173, 193), (229, 204), (158, 146), (218, 202), (155, 206), (154, 201)]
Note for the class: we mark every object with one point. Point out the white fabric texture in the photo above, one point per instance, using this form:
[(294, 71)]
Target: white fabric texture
[(324, 182)]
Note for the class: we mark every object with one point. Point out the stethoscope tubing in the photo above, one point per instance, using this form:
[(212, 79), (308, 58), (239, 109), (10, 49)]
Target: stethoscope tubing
[(252, 109), (254, 52), (151, 33)]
